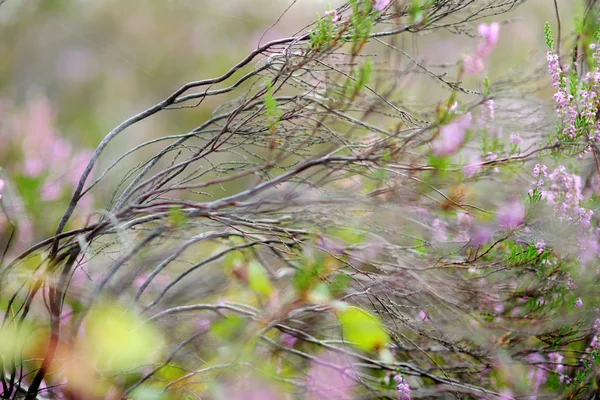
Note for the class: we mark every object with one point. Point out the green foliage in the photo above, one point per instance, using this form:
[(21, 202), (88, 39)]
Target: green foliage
[(323, 35), (258, 280), (177, 218), (118, 340), (363, 330), (272, 109), (228, 329), (416, 11), (548, 35), (308, 275), (520, 256)]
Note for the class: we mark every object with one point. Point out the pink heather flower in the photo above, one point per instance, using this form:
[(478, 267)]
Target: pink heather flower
[(380, 5), (202, 325), (325, 382), (402, 388), (78, 164), (473, 167), (578, 303), (488, 113), (422, 315), (287, 340), (451, 136), (440, 229), (595, 343), (463, 222), (537, 376), (51, 190), (515, 139), (472, 64), (464, 219), (559, 367), (335, 17), (491, 156), (482, 236), (489, 34), (511, 214), (540, 246)]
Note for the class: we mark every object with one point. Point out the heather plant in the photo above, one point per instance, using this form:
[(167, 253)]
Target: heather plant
[(322, 235)]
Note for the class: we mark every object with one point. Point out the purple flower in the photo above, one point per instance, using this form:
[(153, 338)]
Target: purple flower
[(511, 214), (451, 136), (578, 303), (482, 236), (473, 167), (402, 388), (473, 64), (287, 340), (335, 17), (325, 381), (489, 34), (380, 5), (540, 246), (515, 139), (440, 230)]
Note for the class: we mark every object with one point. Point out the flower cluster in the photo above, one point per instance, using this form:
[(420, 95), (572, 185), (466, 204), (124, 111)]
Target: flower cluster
[(473, 64), (576, 108), (559, 368), (47, 167), (564, 193), (402, 388)]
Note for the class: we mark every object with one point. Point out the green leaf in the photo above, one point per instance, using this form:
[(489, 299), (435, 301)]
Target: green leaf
[(177, 218), (258, 279), (548, 34), (228, 329), (362, 329), (118, 340)]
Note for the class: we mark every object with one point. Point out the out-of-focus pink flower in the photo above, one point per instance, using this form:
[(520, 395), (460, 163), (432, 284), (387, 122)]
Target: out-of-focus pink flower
[(287, 340), (331, 378), (578, 303), (473, 64), (511, 214), (1, 187), (515, 139), (540, 246), (473, 167), (380, 5), (451, 136), (251, 390), (202, 325), (335, 17), (489, 34), (78, 164), (440, 229), (482, 236), (51, 190)]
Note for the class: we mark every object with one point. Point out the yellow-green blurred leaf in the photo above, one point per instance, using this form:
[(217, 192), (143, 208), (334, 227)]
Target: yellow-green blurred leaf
[(17, 342), (118, 341), (258, 279), (229, 328), (362, 329)]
